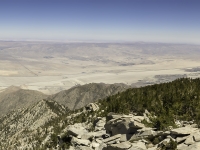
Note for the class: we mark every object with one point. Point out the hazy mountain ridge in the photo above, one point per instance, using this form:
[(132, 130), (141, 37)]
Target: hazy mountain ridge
[(14, 98), (80, 96)]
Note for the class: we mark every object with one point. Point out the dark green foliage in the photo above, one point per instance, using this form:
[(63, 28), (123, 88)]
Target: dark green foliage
[(179, 99), (169, 146), (80, 118), (66, 141), (156, 141), (54, 140)]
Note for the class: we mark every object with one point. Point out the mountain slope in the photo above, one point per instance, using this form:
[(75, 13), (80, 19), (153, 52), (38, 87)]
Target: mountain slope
[(16, 125), (179, 99), (80, 96), (47, 124), (14, 98)]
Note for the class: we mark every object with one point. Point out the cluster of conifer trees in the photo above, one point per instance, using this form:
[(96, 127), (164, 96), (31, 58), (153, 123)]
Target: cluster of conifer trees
[(179, 99)]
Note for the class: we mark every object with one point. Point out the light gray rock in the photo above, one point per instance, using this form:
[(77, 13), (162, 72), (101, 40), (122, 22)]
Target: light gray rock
[(148, 133), (195, 146), (178, 123), (92, 107), (167, 132), (194, 125), (138, 118), (189, 140), (135, 137), (99, 134), (138, 146), (123, 125), (182, 147), (99, 141), (163, 143), (197, 137), (112, 115), (153, 148), (150, 145), (100, 124), (183, 131), (71, 148), (146, 115), (101, 146), (87, 136), (181, 139), (119, 146), (95, 144), (112, 139), (76, 141), (83, 148), (76, 130), (125, 137)]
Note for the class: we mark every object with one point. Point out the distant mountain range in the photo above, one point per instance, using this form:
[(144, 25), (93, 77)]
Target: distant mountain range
[(14, 97), (80, 96), (27, 115)]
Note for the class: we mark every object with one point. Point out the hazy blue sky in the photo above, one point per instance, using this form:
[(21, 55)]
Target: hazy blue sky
[(101, 20)]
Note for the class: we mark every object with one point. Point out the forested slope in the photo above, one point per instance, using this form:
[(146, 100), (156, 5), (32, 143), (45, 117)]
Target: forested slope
[(179, 99)]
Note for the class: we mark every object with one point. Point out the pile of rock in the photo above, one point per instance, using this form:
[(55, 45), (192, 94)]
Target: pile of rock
[(127, 132)]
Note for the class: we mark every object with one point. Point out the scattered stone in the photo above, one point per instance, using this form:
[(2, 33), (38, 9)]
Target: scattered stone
[(76, 131), (183, 131), (138, 146), (123, 125), (182, 147), (181, 139), (113, 139), (189, 140), (125, 137), (92, 107), (195, 146), (197, 136), (76, 141), (121, 146)]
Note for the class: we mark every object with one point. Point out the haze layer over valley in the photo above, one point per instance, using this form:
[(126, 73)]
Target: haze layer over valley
[(51, 67)]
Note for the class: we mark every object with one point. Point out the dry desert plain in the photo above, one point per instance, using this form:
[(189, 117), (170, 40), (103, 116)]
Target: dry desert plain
[(50, 67)]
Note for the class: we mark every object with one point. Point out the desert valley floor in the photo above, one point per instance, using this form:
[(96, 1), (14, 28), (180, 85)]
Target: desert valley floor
[(51, 67)]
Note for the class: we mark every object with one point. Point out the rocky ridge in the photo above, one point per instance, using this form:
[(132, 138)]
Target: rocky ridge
[(129, 132), (22, 126), (79, 96), (118, 122), (14, 98), (70, 131)]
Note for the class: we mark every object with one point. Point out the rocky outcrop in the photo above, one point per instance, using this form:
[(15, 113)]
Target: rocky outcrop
[(183, 131), (92, 107), (123, 124), (127, 132), (120, 146), (82, 130)]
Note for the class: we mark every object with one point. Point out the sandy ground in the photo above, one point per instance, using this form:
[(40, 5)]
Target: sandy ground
[(51, 71)]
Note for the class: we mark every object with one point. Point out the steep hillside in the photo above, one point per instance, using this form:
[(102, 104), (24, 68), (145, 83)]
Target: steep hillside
[(157, 117), (22, 125), (80, 96), (179, 99), (14, 98)]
